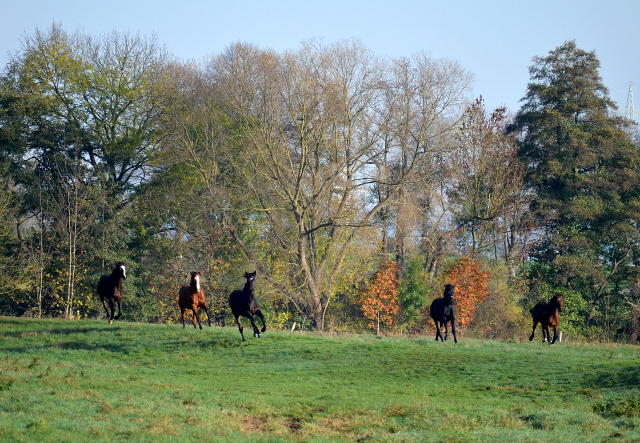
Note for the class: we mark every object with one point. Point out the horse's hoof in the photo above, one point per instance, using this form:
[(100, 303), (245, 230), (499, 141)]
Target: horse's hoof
[(110, 322), (264, 329), (257, 335)]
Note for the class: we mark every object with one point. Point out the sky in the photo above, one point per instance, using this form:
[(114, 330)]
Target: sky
[(495, 40)]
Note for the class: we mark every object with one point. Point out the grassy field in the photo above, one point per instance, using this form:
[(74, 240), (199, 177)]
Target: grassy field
[(90, 381)]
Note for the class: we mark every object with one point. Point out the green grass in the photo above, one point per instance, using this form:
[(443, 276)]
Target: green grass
[(90, 381)]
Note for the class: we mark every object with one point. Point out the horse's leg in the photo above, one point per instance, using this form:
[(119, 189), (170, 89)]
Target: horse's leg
[(264, 325), (535, 323), (252, 319), (239, 326), (194, 308), (184, 315), (546, 334), (555, 334), (119, 309), (438, 333), (104, 303), (446, 330), (112, 307), (208, 314), (453, 329)]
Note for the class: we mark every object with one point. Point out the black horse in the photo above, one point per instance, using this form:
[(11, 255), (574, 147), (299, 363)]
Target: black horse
[(443, 311), (110, 288), (244, 303), (547, 314)]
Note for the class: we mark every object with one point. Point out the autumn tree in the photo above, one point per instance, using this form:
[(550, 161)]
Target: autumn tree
[(379, 299), (472, 288)]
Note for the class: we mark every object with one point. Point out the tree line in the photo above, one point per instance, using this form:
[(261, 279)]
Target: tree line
[(332, 172)]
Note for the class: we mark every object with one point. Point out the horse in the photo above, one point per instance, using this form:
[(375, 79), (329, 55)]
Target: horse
[(243, 302), (191, 296), (110, 288), (547, 314), (443, 311)]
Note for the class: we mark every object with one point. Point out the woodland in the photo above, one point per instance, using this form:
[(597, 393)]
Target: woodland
[(355, 186)]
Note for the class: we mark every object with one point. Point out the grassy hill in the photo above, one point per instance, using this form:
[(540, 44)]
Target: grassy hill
[(90, 381)]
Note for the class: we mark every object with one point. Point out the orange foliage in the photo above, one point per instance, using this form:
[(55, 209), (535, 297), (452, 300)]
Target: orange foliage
[(379, 299), (472, 288)]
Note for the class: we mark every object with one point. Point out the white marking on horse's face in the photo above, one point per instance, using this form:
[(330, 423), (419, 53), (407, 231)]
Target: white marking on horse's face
[(197, 279), (124, 271)]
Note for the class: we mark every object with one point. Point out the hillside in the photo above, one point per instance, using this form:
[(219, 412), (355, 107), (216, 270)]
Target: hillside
[(90, 381)]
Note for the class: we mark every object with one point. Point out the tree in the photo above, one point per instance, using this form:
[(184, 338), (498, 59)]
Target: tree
[(312, 125), (486, 176), (81, 114), (379, 299), (472, 288), (584, 171)]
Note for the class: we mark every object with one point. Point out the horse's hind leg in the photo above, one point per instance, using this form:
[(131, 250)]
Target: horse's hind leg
[(264, 325), (239, 326), (535, 323)]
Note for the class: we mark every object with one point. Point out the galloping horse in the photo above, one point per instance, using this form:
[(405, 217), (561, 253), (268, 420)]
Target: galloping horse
[(110, 287), (244, 303), (443, 311), (192, 297), (547, 314)]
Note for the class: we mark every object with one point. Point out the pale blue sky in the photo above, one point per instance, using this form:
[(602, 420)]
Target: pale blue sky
[(495, 40)]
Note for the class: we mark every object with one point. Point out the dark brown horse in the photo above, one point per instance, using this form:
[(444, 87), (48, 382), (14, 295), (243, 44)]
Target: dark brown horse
[(244, 303), (443, 311), (110, 288), (191, 296), (548, 315)]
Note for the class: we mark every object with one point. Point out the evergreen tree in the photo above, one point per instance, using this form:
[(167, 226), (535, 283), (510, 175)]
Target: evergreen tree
[(583, 169)]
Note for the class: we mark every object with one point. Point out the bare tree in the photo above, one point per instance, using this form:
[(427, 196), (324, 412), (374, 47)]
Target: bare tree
[(487, 184), (314, 123)]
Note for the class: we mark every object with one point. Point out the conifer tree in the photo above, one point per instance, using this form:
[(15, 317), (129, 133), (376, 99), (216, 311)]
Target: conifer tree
[(583, 170)]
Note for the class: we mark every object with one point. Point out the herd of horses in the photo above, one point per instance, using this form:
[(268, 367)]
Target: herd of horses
[(243, 303)]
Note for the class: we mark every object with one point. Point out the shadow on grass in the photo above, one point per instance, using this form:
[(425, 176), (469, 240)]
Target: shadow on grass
[(111, 339), (619, 377)]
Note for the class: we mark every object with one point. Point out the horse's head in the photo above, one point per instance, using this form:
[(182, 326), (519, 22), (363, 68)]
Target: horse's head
[(120, 269), (195, 280), (449, 291), (559, 300), (251, 278)]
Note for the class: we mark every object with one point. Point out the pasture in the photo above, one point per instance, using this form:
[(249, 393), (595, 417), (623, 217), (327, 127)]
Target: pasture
[(78, 381)]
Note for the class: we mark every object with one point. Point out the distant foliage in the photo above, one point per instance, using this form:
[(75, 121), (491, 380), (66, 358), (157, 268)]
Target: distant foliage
[(379, 299), (472, 288)]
